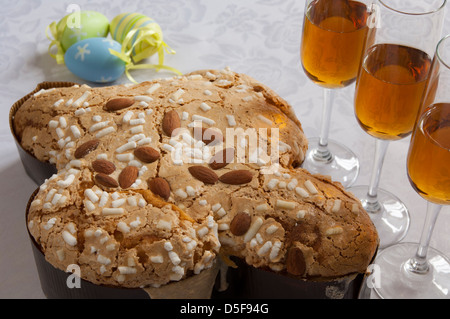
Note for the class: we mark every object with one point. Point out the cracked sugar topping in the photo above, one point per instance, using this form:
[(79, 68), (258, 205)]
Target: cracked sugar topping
[(155, 180)]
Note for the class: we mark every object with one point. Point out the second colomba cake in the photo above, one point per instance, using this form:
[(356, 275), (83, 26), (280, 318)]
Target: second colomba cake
[(155, 180)]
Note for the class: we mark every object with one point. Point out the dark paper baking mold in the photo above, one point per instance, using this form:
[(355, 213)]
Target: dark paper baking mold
[(246, 282)]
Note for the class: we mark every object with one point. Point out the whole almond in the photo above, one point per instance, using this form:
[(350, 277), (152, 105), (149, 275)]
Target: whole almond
[(203, 174), (106, 180), (237, 177), (295, 262), (103, 166), (146, 154), (86, 148), (159, 186), (171, 122), (222, 158), (118, 104), (128, 176), (240, 224)]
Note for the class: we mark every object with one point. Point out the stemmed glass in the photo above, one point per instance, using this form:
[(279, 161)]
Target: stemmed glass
[(388, 92), (334, 33), (409, 270)]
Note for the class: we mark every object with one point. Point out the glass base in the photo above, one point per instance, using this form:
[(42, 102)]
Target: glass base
[(391, 279), (342, 165), (390, 216)]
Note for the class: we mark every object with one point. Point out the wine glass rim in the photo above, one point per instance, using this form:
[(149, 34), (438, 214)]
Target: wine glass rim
[(383, 2), (426, 115), (438, 55)]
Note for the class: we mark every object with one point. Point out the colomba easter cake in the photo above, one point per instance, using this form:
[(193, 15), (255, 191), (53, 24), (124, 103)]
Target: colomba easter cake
[(157, 180)]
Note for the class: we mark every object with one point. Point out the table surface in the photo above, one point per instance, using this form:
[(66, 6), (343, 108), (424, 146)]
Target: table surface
[(260, 38)]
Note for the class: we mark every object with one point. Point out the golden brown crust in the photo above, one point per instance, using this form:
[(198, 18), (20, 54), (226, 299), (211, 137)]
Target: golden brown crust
[(162, 219), (270, 96)]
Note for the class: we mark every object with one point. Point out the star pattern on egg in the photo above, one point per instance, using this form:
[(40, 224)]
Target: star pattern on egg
[(82, 50)]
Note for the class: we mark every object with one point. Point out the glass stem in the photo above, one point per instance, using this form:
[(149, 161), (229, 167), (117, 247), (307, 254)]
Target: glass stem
[(418, 264), (372, 205), (322, 153)]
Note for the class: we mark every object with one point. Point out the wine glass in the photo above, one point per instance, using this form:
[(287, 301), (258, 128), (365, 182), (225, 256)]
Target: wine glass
[(388, 92), (334, 33), (410, 270)]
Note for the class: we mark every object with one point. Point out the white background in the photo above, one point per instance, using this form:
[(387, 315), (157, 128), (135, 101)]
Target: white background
[(260, 38)]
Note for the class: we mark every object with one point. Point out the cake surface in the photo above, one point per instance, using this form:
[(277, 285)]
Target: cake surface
[(143, 195)]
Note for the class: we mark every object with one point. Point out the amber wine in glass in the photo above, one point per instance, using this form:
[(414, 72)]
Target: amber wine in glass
[(415, 270), (333, 37), (410, 270), (429, 155), (388, 94), (390, 89)]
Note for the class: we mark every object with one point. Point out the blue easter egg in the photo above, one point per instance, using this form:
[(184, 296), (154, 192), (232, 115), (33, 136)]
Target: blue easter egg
[(91, 60)]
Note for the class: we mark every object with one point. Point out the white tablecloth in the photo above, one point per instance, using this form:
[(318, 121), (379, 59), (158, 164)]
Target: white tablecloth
[(260, 38)]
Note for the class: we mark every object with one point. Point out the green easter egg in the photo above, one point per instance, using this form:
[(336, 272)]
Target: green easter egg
[(82, 25)]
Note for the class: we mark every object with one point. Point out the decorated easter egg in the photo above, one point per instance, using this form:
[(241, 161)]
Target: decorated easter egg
[(146, 35), (81, 25), (90, 59)]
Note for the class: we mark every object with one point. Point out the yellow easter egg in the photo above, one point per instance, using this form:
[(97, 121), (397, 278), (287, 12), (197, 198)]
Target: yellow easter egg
[(139, 33)]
